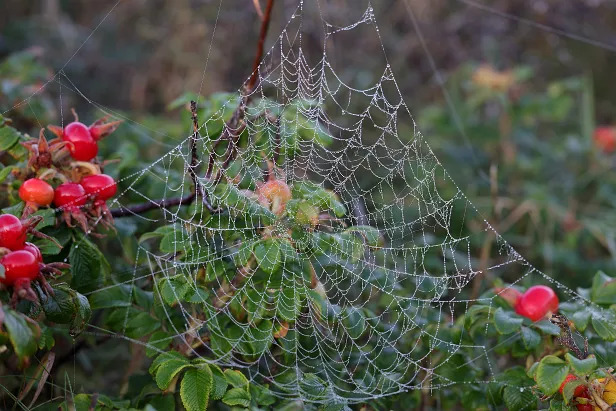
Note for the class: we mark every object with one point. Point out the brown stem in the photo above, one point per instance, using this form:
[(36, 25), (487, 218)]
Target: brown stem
[(259, 55), (231, 132)]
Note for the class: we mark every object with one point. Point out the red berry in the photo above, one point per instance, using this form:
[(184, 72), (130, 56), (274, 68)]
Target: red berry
[(19, 265), (70, 196), (81, 144), (605, 138), (34, 250), (100, 186), (36, 191), (12, 233), (537, 303)]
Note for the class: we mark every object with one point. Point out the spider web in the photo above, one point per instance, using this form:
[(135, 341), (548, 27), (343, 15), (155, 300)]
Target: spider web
[(384, 323)]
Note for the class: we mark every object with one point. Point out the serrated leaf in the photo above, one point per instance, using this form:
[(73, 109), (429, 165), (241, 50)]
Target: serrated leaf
[(530, 338), (236, 378), (547, 327), (237, 396), (167, 371), (582, 367), (603, 289), (551, 373), (174, 289), (507, 322), (20, 334), (219, 385), (88, 266), (195, 388), (168, 356), (604, 328), (518, 399), (267, 253)]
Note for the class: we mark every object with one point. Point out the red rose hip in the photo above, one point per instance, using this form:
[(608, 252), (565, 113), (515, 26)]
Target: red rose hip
[(537, 303), (81, 145), (19, 265), (36, 192), (34, 250), (70, 196), (100, 186), (12, 232)]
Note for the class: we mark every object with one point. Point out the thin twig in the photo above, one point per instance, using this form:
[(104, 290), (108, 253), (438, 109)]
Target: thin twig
[(231, 132)]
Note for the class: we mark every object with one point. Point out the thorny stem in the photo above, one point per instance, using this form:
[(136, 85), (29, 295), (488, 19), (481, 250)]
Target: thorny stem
[(566, 336), (231, 132)]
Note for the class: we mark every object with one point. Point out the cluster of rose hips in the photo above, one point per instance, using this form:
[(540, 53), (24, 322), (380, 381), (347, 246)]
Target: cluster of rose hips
[(22, 262), (70, 158), (537, 303), (81, 196)]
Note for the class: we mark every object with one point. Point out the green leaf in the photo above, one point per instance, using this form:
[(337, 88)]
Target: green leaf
[(5, 172), (267, 253), (159, 340), (117, 295), (168, 356), (530, 338), (604, 328), (244, 252), (603, 289), (551, 373), (88, 266), (20, 334), (289, 304), (167, 372), (174, 289), (141, 324), (195, 388), (517, 399), (371, 235), (262, 394), (313, 387), (66, 306), (49, 218), (582, 367), (237, 396), (569, 389), (547, 327), (580, 319), (507, 322), (236, 378), (8, 137), (219, 386)]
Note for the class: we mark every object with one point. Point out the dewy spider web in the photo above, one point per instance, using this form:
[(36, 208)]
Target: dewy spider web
[(383, 322)]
